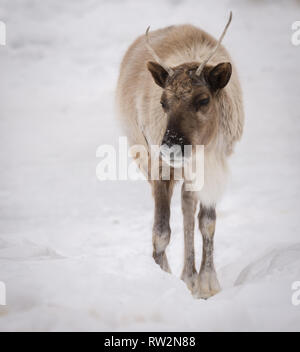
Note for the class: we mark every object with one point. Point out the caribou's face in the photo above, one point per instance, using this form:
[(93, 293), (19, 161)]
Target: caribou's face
[(190, 104)]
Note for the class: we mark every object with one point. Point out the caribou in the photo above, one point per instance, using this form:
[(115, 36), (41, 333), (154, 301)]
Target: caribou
[(179, 86)]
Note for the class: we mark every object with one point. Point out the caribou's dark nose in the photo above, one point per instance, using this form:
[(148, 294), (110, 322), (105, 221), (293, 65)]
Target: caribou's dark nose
[(173, 138)]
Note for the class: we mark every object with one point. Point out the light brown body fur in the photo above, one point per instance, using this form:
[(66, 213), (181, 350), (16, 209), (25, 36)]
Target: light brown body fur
[(217, 126)]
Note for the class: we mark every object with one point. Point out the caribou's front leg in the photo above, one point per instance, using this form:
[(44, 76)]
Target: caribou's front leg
[(162, 192), (189, 206), (208, 284)]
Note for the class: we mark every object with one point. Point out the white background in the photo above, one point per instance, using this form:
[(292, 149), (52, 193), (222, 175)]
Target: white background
[(75, 253)]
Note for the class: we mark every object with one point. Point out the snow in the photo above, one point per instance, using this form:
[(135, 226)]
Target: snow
[(75, 253)]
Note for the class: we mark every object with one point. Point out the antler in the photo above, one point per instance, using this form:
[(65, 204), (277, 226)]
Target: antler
[(200, 68), (155, 56)]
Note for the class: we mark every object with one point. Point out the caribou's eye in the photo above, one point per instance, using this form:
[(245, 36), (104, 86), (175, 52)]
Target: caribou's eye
[(204, 101), (201, 102), (163, 104)]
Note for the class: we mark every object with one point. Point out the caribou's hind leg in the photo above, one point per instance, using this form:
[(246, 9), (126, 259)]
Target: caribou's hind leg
[(189, 205), (162, 192), (208, 284)]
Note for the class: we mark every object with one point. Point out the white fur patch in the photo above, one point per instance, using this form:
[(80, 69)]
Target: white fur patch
[(215, 178)]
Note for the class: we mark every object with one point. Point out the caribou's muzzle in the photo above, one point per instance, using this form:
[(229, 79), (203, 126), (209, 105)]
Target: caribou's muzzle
[(174, 148), (173, 138)]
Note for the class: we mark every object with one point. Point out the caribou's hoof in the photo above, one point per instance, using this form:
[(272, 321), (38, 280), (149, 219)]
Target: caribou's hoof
[(162, 260), (191, 281), (207, 285)]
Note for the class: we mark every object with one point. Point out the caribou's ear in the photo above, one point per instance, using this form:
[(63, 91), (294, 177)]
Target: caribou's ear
[(219, 76), (158, 73)]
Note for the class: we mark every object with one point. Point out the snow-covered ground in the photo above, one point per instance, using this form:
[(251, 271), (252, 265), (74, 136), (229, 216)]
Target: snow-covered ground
[(75, 253)]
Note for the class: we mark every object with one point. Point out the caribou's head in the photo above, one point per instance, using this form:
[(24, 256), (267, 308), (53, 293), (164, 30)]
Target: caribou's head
[(189, 99)]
